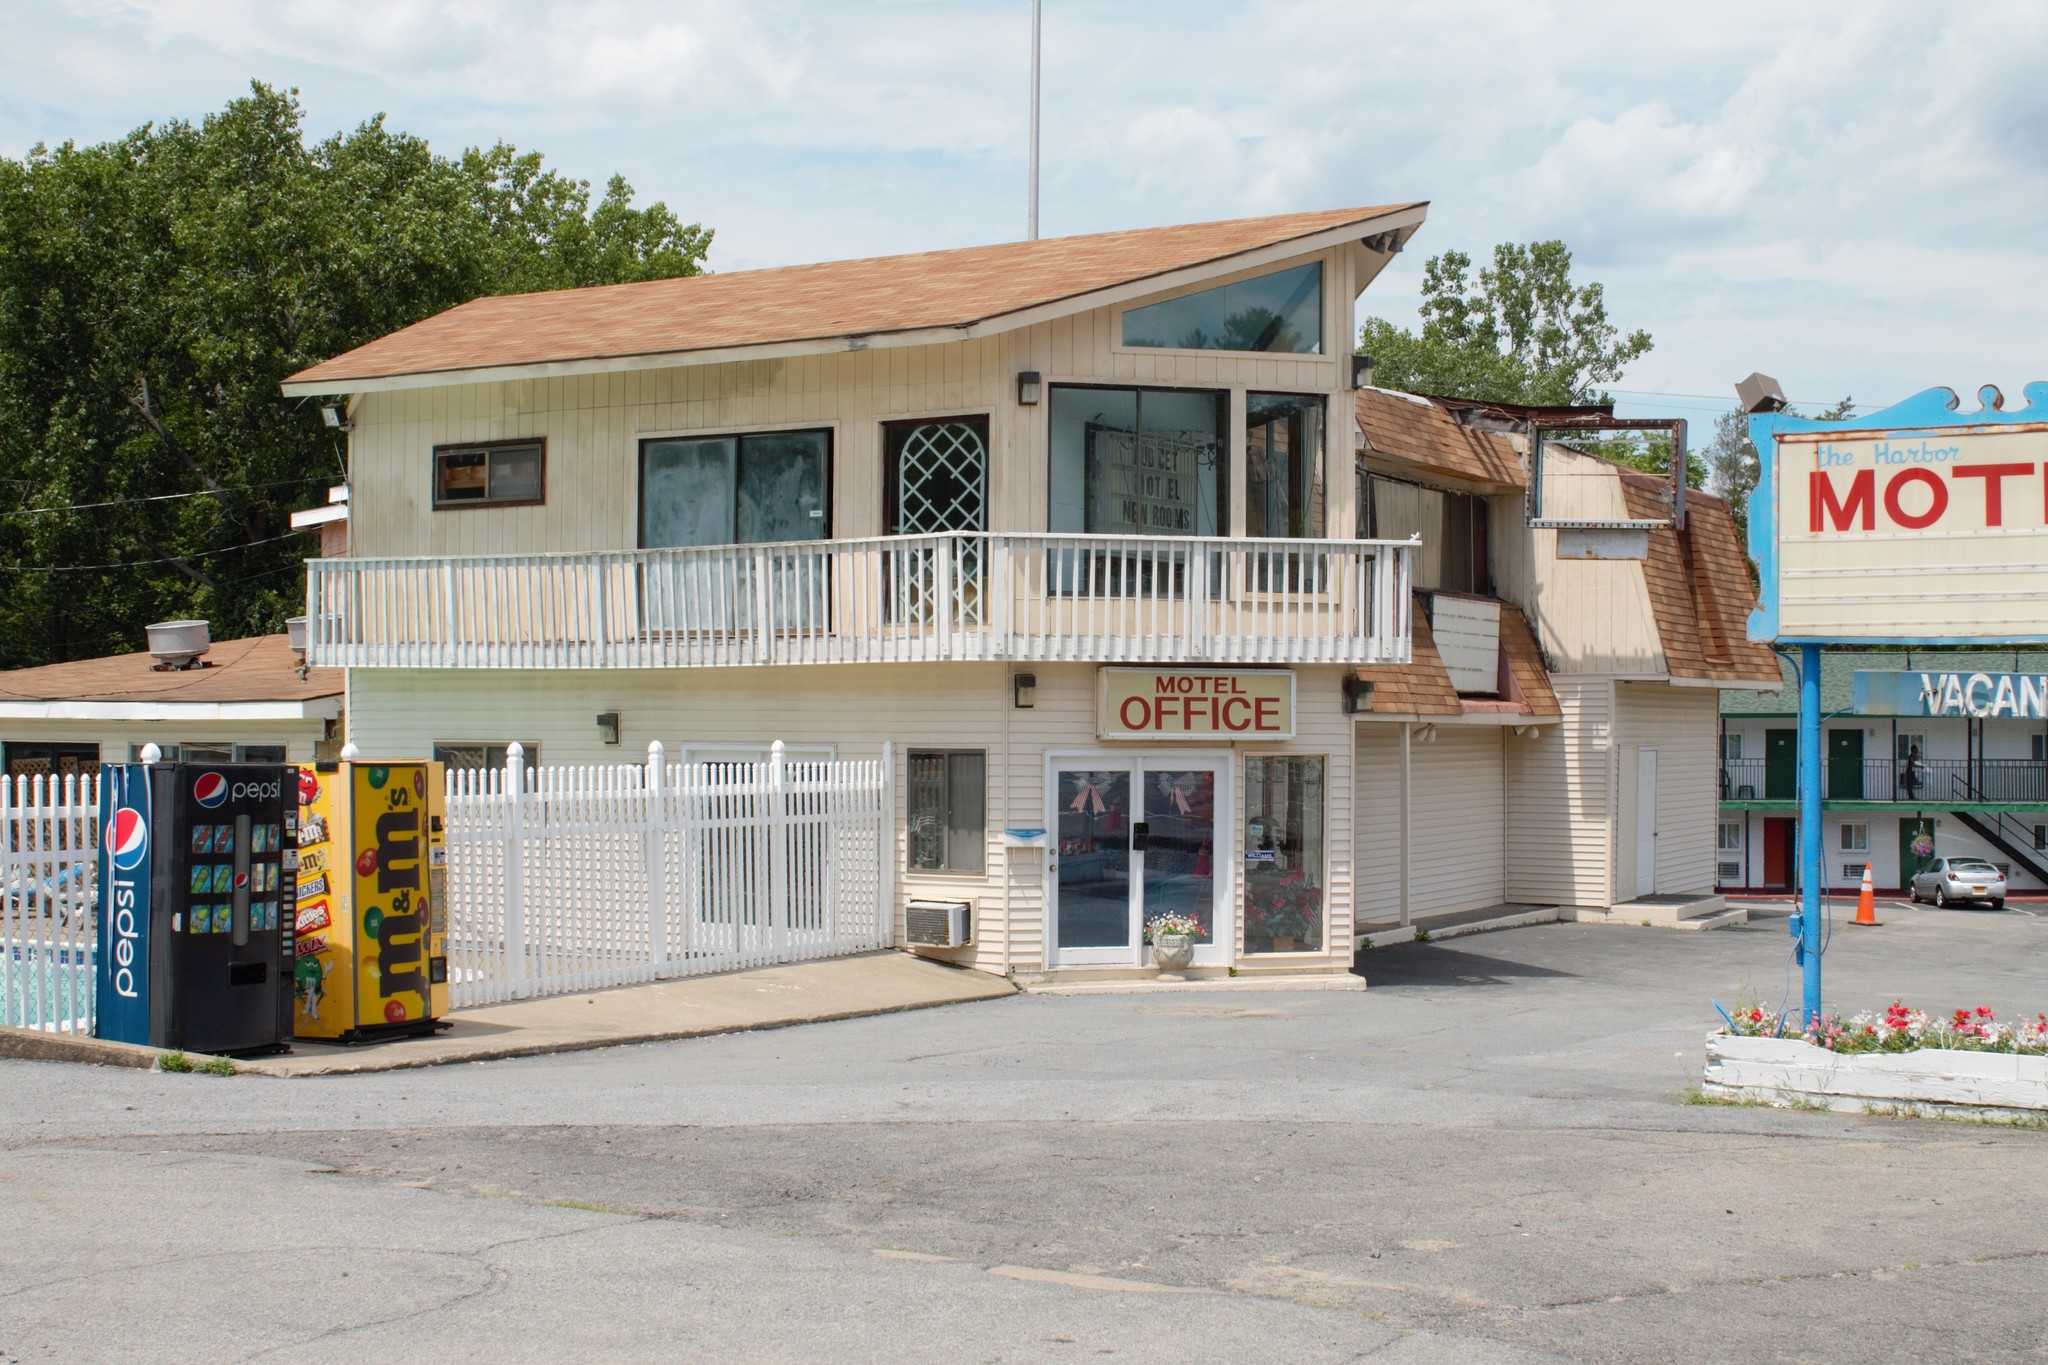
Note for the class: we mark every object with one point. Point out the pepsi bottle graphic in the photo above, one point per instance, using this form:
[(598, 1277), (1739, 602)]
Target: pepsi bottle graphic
[(193, 890)]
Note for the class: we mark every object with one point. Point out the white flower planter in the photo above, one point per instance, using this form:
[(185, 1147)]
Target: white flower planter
[(1780, 1070)]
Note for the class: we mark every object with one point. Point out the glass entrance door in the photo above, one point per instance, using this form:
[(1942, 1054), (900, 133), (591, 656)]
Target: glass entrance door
[(1136, 838)]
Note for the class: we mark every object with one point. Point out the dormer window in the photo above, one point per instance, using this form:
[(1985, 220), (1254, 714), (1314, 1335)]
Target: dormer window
[(1280, 312)]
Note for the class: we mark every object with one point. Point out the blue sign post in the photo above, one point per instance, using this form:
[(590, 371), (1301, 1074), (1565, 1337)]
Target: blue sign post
[(1917, 525)]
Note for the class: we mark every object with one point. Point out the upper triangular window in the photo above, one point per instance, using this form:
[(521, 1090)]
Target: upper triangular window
[(1282, 311)]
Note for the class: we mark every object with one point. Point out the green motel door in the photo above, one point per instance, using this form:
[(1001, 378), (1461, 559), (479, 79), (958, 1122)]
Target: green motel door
[(1845, 765), (1781, 765)]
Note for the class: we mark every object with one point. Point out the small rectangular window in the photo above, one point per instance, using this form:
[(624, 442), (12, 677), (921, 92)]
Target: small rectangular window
[(1731, 836), (947, 811), (1856, 839), (492, 474), (205, 753), (460, 755), (259, 753), (1731, 746)]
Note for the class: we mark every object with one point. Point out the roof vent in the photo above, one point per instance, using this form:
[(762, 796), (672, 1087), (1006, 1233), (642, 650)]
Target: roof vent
[(178, 645)]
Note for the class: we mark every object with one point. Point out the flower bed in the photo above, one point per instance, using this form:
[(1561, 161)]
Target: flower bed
[(1969, 1062)]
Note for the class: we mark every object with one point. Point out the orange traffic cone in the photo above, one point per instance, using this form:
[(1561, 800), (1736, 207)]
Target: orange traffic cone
[(1866, 902)]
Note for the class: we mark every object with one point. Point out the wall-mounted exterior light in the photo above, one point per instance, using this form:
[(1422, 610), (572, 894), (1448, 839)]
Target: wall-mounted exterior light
[(1024, 690), (1361, 372), (335, 415), (1027, 388), (1357, 695), (608, 726)]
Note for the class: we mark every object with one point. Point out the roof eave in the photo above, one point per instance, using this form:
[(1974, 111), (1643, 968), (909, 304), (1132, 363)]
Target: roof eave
[(1410, 216)]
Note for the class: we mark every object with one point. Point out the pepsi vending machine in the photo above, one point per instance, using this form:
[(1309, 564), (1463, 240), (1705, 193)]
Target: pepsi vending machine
[(195, 942)]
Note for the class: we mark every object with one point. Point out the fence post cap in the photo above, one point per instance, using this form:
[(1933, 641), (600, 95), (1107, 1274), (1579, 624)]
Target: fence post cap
[(151, 753), (350, 753)]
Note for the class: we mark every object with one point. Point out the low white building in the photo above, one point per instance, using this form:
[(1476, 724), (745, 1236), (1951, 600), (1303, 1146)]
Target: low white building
[(242, 701), (1159, 611)]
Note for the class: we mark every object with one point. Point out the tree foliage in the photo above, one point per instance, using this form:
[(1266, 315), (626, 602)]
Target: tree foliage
[(155, 290), (1522, 332), (1732, 465)]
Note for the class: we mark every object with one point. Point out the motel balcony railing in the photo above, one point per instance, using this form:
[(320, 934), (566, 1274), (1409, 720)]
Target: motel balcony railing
[(890, 599), (1927, 782)]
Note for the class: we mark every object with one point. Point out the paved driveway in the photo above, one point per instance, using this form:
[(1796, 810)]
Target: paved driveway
[(1483, 1158)]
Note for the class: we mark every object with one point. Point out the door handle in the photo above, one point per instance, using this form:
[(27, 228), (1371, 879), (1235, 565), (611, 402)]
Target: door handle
[(1141, 837)]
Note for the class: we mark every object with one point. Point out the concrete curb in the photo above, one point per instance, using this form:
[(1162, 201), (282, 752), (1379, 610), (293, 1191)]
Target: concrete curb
[(34, 1045)]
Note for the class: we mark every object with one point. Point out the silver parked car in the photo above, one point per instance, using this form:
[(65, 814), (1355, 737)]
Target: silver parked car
[(1948, 880)]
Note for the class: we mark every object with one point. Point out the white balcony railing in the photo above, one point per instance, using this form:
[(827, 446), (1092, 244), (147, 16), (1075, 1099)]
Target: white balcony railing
[(893, 599)]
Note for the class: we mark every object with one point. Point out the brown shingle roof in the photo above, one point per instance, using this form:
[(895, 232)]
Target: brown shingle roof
[(1423, 687), (883, 294), (1416, 434), (1699, 587), (258, 669)]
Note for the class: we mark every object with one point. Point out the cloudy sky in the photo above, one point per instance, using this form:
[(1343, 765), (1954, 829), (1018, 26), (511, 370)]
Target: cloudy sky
[(1847, 195)]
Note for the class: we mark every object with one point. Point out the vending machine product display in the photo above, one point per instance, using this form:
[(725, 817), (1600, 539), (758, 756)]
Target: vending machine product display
[(371, 928), (195, 885)]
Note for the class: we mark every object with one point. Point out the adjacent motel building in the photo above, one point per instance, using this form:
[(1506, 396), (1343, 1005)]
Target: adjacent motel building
[(1154, 606), (1948, 745)]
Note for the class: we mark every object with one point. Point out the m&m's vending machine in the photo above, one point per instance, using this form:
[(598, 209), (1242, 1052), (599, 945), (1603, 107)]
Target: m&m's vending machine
[(195, 889), (371, 933)]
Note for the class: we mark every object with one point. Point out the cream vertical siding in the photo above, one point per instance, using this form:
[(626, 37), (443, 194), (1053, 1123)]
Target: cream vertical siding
[(593, 425), (858, 709), (1559, 825), (1377, 817), (1682, 724), (1590, 616), (1460, 859)]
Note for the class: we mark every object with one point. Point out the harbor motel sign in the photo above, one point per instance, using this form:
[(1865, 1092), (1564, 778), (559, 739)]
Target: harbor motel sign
[(1917, 525)]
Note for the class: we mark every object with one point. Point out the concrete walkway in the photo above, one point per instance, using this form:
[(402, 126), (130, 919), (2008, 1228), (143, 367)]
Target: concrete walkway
[(768, 997)]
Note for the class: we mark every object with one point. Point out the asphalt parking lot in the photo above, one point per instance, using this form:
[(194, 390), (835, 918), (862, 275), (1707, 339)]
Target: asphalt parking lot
[(1485, 1157)]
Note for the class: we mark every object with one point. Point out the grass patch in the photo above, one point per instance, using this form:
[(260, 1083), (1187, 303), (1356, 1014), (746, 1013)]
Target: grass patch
[(1699, 1094), (174, 1061), (212, 1066), (1421, 934), (219, 1066), (587, 1208)]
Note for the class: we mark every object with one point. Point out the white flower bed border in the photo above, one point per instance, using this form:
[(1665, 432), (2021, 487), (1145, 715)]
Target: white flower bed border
[(1786, 1071)]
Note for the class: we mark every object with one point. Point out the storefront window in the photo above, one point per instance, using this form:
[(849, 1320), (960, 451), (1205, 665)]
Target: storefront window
[(1283, 852), (948, 826)]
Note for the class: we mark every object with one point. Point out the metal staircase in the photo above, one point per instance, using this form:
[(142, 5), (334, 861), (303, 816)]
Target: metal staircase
[(2001, 831)]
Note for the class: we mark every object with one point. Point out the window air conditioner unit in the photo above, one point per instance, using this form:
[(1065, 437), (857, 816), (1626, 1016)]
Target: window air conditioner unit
[(938, 924), (1731, 872)]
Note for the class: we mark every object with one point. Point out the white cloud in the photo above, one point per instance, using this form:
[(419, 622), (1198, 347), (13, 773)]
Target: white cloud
[(1847, 193)]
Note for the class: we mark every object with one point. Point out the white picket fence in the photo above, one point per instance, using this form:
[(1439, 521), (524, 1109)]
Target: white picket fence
[(569, 878), (49, 849), (559, 878)]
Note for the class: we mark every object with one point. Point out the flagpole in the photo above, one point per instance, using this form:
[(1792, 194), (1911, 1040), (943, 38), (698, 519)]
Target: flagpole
[(1032, 226)]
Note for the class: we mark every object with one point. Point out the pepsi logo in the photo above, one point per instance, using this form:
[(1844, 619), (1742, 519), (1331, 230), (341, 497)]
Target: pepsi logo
[(210, 790), (130, 842)]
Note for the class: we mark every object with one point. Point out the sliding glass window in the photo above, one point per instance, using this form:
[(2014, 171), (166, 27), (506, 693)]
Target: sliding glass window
[(1138, 462), (1283, 452)]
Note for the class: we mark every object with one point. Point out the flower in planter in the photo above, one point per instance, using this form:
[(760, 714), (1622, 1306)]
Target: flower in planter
[(1900, 1029), (1186, 926)]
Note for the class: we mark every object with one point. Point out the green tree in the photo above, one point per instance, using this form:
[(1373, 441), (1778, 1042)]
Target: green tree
[(155, 290), (1522, 332)]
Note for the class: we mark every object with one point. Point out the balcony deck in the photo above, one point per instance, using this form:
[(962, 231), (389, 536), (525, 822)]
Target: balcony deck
[(1931, 784), (971, 596)]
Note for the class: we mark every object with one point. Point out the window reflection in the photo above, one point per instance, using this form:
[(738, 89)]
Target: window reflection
[(1282, 311)]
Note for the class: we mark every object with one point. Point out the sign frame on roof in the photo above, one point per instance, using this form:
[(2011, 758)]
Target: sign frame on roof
[(1915, 525)]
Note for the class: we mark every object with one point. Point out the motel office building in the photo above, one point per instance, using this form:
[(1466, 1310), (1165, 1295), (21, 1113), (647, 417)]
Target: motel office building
[(1156, 610), (1976, 784)]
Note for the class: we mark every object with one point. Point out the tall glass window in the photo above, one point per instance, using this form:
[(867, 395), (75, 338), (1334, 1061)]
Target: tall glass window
[(1282, 311), (1283, 855), (727, 490), (1145, 462), (1283, 453)]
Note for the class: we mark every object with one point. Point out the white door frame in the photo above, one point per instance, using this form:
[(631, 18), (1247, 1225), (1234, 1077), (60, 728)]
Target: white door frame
[(1221, 950), (1646, 815)]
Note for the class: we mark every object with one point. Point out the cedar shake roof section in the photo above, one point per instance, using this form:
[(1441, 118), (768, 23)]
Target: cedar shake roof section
[(1699, 587), (1422, 687), (254, 670), (1409, 434), (879, 295)]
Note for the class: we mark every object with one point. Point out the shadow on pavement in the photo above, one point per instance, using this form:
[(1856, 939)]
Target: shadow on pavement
[(1424, 964)]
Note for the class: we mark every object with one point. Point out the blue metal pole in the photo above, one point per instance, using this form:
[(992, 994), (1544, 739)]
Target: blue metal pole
[(1810, 850)]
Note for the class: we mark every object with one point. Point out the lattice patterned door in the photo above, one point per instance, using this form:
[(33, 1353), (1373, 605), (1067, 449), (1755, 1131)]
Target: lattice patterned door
[(941, 483)]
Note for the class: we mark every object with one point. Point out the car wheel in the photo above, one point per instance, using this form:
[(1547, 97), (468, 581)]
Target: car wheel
[(1998, 903), (1940, 898), (1913, 892)]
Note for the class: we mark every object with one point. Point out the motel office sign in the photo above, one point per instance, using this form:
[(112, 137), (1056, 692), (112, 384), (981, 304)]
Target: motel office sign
[(1914, 525)]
